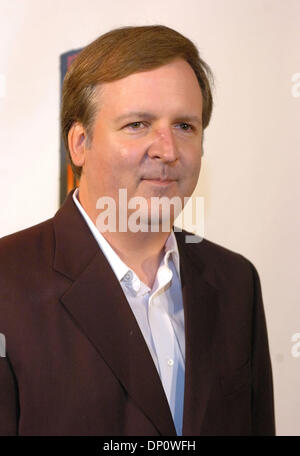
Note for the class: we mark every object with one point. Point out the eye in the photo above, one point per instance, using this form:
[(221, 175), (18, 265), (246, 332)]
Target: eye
[(186, 126), (135, 125)]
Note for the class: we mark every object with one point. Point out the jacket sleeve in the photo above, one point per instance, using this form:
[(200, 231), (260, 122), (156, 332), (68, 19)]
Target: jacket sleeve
[(263, 420), (8, 399)]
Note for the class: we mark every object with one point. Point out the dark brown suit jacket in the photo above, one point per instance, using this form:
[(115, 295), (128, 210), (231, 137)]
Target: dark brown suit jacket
[(77, 363)]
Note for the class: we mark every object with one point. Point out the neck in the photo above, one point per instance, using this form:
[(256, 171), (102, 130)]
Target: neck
[(141, 251)]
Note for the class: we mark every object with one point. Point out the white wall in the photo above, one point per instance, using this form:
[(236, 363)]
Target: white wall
[(249, 175)]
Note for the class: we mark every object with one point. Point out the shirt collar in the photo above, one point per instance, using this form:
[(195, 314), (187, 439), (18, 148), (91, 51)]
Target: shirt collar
[(171, 248), (119, 267)]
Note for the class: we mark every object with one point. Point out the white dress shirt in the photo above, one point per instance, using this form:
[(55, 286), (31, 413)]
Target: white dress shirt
[(158, 312)]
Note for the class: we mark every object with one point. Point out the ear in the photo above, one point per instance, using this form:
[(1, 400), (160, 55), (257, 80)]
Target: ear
[(77, 143)]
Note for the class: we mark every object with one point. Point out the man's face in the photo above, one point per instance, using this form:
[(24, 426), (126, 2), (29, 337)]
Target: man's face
[(147, 135)]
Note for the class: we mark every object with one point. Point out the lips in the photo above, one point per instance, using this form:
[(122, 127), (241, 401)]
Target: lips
[(160, 178), (157, 179), (159, 182)]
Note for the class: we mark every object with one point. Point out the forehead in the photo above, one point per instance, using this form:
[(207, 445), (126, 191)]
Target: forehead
[(173, 86)]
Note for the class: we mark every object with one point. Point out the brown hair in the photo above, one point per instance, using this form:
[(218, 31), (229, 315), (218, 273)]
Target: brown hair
[(118, 54)]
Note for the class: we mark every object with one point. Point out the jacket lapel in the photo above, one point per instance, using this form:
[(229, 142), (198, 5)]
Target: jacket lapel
[(200, 299), (96, 301)]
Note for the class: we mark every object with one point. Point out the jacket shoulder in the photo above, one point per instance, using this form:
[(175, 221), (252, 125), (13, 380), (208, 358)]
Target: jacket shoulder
[(28, 243), (209, 250), (223, 262)]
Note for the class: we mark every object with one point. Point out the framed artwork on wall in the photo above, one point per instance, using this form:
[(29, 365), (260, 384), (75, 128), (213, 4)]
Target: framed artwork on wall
[(67, 178)]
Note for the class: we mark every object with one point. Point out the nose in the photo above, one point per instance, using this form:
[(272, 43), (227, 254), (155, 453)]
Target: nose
[(164, 146)]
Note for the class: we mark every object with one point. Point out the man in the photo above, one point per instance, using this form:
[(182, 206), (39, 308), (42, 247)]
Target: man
[(131, 332)]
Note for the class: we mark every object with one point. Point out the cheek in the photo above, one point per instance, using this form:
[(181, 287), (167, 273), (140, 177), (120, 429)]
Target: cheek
[(129, 154), (197, 168), (116, 164), (192, 171), (123, 150), (193, 163)]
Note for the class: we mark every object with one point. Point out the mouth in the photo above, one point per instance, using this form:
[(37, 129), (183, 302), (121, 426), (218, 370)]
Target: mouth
[(159, 182)]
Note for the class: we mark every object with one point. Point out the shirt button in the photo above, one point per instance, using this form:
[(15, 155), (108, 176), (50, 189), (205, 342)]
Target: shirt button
[(170, 362), (128, 276)]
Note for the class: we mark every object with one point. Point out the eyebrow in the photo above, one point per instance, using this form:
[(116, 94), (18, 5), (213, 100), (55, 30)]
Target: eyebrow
[(149, 116)]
